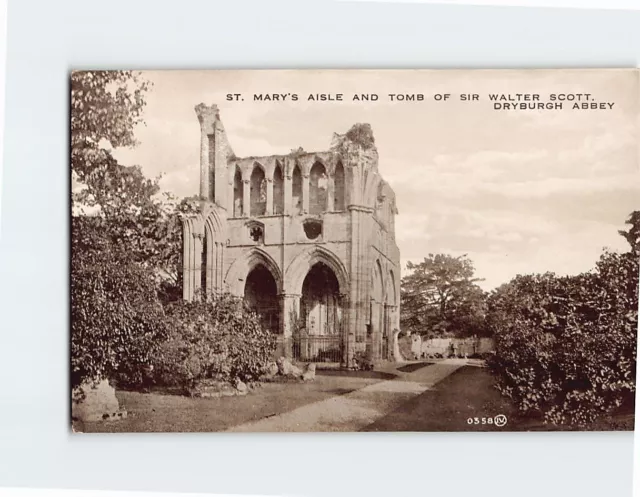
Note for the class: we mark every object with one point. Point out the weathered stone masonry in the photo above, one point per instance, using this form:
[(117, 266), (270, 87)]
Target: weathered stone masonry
[(308, 239)]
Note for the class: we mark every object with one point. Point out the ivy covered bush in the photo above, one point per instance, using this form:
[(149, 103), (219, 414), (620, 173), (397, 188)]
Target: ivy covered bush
[(566, 346), (219, 339)]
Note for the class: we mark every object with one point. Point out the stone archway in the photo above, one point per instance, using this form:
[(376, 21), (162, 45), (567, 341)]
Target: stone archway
[(320, 301), (303, 262), (321, 334), (253, 274), (236, 276), (315, 305), (261, 295)]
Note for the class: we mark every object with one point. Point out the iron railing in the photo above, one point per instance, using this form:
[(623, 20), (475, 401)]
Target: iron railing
[(318, 348)]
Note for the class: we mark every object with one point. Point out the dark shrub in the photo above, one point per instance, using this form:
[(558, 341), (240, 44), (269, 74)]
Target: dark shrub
[(566, 346), (116, 326), (220, 339)]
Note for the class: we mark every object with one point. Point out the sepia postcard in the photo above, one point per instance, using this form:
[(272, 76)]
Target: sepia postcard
[(354, 250)]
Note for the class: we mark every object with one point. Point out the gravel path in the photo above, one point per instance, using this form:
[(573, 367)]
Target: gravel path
[(358, 409)]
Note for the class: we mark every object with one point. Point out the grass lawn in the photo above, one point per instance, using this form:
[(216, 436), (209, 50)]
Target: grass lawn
[(470, 393), (153, 412), (466, 394)]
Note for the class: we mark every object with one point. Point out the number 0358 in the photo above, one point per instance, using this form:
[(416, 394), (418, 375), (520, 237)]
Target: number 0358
[(480, 421)]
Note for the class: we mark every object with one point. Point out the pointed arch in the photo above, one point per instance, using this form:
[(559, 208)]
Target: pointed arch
[(192, 240), (236, 276), (297, 271), (391, 296), (213, 247)]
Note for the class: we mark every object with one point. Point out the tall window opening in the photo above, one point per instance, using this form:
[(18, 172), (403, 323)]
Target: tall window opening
[(297, 190), (237, 194), (318, 182), (278, 191), (258, 192)]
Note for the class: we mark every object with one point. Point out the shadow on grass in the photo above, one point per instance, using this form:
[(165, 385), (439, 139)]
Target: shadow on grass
[(468, 401), (373, 375), (340, 391), (410, 368)]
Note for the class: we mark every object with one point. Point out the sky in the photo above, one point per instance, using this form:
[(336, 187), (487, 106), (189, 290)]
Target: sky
[(517, 191)]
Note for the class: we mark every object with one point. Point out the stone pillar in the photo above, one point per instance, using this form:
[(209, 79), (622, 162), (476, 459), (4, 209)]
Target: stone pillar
[(330, 194), (358, 277), (289, 313), (197, 263), (305, 193), (390, 330), (230, 199), (205, 127), (187, 248), (397, 356), (210, 262), (204, 166), (376, 330), (269, 209), (347, 332), (220, 266), (246, 198), (191, 257)]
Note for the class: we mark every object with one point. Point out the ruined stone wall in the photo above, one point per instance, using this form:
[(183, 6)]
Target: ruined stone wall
[(290, 212)]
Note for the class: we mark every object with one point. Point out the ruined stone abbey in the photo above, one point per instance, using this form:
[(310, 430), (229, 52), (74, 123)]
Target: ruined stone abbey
[(308, 239)]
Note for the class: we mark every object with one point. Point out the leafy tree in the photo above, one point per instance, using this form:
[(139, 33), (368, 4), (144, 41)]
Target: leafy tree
[(117, 220), (566, 346), (106, 106), (440, 297)]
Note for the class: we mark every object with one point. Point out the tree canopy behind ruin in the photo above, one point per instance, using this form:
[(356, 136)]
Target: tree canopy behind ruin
[(440, 297)]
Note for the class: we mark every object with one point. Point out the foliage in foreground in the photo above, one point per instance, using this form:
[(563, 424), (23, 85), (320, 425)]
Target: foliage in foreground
[(117, 321), (128, 323), (566, 346), (219, 339)]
